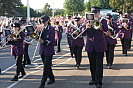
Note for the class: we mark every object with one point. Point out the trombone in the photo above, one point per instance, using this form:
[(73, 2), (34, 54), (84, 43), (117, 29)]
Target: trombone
[(38, 37), (32, 36), (76, 29), (115, 36), (13, 36)]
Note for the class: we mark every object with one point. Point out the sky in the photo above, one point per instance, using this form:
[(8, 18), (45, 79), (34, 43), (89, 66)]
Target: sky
[(39, 4)]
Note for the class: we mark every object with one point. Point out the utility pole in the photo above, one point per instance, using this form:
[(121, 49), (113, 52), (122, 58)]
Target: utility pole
[(53, 9), (28, 11)]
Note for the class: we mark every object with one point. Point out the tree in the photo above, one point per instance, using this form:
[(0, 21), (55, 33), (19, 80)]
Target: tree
[(104, 4), (72, 6), (59, 12), (6, 6), (121, 5), (95, 3), (87, 6), (47, 10), (23, 11)]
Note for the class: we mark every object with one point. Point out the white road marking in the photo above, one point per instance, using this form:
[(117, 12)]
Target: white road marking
[(8, 68), (35, 72), (17, 81)]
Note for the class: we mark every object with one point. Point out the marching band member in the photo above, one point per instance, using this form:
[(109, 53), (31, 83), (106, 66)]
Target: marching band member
[(47, 41), (69, 38), (112, 30), (17, 51), (58, 35), (125, 28), (26, 46), (131, 21), (77, 44), (1, 31), (95, 47)]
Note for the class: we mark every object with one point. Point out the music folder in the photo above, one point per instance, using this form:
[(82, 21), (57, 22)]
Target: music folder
[(89, 16), (30, 28)]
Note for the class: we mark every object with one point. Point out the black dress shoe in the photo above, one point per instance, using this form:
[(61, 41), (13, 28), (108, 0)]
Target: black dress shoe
[(14, 79), (21, 76), (109, 67), (0, 70), (42, 86), (125, 54), (98, 86), (50, 82), (72, 55), (91, 82), (58, 51), (77, 68)]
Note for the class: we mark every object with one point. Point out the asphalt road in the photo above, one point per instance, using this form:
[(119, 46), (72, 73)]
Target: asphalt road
[(66, 75)]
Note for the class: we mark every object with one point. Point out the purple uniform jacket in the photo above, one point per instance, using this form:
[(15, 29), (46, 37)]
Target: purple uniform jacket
[(58, 34), (80, 40), (50, 36), (17, 46), (110, 40), (126, 33), (96, 40)]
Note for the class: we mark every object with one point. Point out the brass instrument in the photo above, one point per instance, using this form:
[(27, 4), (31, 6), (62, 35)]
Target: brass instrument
[(96, 24), (39, 37), (75, 29), (13, 36), (32, 36), (124, 23), (115, 36)]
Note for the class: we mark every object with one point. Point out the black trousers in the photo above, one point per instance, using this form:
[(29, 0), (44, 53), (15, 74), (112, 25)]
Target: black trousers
[(71, 49), (58, 45), (125, 45), (47, 70), (26, 55), (77, 51), (96, 66), (19, 65), (110, 54)]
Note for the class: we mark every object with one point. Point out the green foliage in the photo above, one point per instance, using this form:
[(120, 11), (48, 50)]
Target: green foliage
[(6, 6), (104, 4), (87, 6), (76, 6), (122, 5), (47, 10), (59, 12), (95, 3), (23, 11)]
